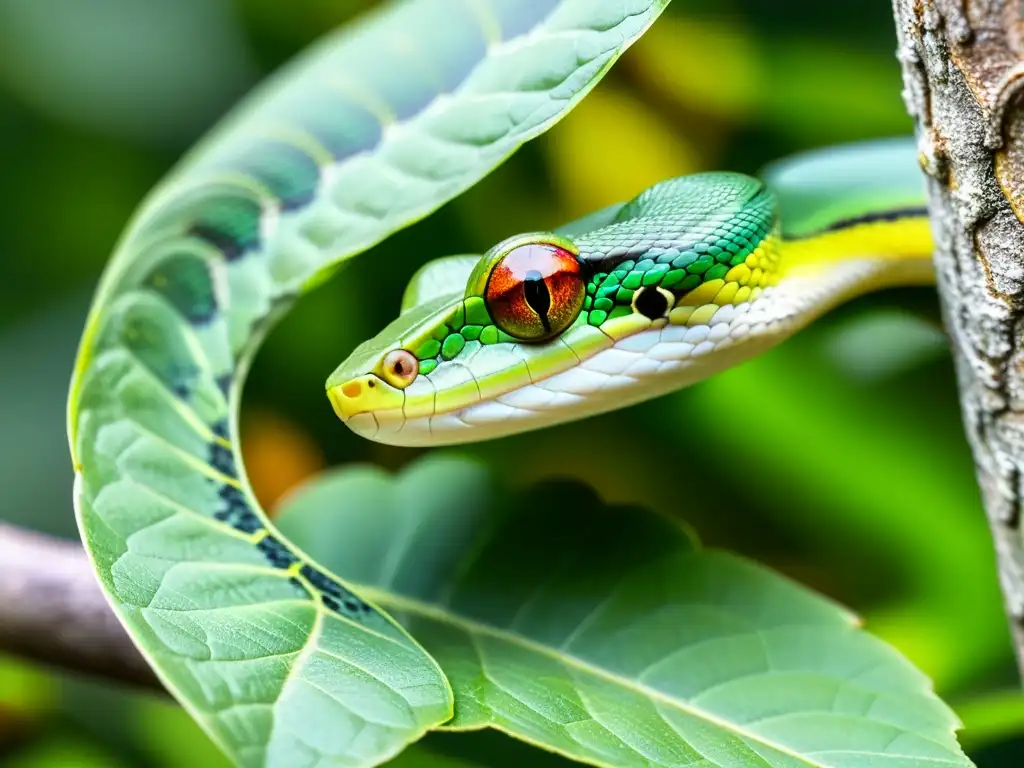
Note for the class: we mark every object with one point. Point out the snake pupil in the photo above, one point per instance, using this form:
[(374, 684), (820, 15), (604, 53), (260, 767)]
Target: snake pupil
[(651, 303), (538, 296)]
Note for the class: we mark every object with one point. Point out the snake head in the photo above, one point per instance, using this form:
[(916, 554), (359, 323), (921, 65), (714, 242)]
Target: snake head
[(448, 352), (545, 328)]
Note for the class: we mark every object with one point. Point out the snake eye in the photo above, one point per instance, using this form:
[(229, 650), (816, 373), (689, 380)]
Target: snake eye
[(536, 291), (400, 368)]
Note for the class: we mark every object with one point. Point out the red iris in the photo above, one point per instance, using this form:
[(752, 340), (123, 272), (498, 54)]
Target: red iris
[(536, 291)]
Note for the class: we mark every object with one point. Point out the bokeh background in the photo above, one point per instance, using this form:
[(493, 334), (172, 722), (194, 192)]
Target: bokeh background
[(838, 458)]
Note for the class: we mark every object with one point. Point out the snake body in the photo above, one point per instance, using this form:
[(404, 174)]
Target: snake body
[(364, 134)]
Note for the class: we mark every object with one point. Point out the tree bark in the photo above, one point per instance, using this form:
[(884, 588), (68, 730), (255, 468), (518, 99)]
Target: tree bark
[(963, 76), (52, 610)]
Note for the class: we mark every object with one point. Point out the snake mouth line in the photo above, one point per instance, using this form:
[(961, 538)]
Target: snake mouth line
[(369, 404), (352, 401), (534, 406), (350, 404), (461, 387), (594, 382)]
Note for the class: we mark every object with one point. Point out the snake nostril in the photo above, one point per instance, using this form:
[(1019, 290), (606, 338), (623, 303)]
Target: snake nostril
[(352, 389)]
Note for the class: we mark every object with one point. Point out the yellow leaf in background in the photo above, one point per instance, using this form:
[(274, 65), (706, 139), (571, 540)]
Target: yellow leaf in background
[(278, 456), (710, 67), (611, 147), (817, 91)]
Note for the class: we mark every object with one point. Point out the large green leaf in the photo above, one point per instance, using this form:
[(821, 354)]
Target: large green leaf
[(375, 127), (889, 465), (605, 634)]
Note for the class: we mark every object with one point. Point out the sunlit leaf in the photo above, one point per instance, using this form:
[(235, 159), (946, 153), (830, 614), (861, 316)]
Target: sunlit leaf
[(604, 634)]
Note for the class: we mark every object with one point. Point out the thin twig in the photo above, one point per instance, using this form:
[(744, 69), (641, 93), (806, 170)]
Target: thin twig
[(52, 610)]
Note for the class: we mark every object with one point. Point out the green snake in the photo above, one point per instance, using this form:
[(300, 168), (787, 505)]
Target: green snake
[(374, 128), (690, 277)]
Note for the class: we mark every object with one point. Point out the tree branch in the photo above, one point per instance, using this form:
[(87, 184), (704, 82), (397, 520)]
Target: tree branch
[(52, 610), (962, 77)]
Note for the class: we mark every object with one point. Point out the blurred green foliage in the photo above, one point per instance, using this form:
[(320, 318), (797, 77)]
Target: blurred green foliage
[(846, 469)]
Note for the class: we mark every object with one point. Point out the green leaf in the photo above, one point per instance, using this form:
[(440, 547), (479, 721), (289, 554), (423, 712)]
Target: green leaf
[(281, 663), (603, 633), (890, 466)]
